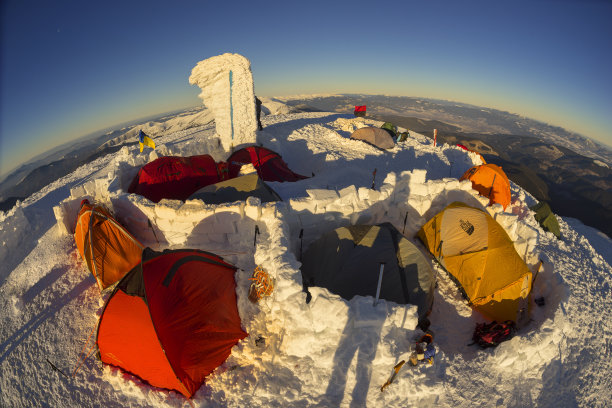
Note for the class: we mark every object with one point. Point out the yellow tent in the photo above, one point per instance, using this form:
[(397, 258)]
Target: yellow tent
[(480, 256)]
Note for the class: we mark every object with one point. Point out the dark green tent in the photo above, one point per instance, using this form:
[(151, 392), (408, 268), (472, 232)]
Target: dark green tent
[(236, 189), (347, 261), (391, 128), (546, 218)]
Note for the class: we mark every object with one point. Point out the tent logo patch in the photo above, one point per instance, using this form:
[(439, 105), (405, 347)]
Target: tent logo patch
[(467, 226)]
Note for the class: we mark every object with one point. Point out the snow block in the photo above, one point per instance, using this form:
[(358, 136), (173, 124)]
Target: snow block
[(418, 176), (349, 191), (66, 213), (166, 212), (451, 183), (386, 190), (303, 204), (390, 179), (252, 212), (465, 185), (419, 189), (323, 195), (340, 207), (90, 188), (77, 191)]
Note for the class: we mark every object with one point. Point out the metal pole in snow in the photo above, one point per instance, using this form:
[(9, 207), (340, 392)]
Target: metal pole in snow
[(373, 179), (380, 277), (435, 136)]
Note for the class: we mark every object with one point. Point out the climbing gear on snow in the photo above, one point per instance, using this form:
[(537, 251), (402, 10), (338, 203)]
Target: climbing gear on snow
[(424, 350), (262, 285), (396, 369)]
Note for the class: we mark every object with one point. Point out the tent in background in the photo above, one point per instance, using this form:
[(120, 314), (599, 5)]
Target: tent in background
[(236, 189), (268, 164), (177, 178), (477, 252), (347, 261), (378, 137), (546, 218), (490, 181), (172, 319), (109, 250)]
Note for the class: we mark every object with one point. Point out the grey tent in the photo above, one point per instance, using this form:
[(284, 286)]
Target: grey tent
[(236, 189), (546, 218), (347, 261), (374, 136)]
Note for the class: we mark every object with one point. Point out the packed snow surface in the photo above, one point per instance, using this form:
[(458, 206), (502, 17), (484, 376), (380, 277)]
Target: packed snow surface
[(330, 352)]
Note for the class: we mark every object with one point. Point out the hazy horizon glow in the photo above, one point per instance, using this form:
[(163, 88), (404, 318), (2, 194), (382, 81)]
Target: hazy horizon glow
[(71, 68)]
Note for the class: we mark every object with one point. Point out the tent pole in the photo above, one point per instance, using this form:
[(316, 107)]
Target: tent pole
[(380, 276), (255, 237), (301, 241)]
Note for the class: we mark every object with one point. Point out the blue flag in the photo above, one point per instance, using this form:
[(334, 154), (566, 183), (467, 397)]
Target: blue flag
[(144, 140)]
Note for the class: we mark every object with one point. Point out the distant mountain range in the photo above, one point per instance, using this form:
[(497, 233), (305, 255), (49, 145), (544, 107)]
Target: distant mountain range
[(456, 117), (62, 160), (541, 158)]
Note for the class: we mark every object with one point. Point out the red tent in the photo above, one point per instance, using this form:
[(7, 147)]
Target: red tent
[(177, 177), (172, 319), (269, 165)]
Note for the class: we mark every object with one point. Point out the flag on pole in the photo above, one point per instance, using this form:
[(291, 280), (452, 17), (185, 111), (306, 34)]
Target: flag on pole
[(360, 110), (144, 140)]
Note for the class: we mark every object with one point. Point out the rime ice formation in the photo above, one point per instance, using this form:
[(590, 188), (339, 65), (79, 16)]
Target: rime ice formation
[(227, 90)]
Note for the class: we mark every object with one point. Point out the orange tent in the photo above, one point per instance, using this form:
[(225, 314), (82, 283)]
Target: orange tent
[(109, 250), (172, 319), (490, 181)]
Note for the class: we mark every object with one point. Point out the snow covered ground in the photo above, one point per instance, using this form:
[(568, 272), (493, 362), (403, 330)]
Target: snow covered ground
[(327, 353)]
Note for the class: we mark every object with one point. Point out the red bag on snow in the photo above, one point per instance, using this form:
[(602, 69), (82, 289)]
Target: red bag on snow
[(491, 334)]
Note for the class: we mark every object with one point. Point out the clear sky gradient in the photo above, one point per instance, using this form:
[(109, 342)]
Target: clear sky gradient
[(69, 68)]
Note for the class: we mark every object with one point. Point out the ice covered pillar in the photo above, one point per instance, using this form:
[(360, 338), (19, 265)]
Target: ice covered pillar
[(227, 90)]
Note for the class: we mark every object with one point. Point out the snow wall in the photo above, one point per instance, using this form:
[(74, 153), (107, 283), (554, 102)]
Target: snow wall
[(227, 90), (406, 200)]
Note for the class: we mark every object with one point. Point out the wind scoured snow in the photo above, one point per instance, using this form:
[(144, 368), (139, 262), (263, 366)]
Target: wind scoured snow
[(330, 352)]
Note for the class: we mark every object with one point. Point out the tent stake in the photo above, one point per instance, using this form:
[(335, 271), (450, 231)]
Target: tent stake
[(255, 237), (55, 368), (380, 276)]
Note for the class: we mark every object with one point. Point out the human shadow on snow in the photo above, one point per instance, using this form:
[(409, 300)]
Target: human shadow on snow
[(363, 342)]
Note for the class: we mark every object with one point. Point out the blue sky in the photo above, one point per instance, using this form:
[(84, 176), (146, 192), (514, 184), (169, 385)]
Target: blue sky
[(69, 68)]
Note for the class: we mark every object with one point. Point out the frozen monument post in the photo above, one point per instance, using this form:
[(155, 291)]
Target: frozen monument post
[(227, 90)]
